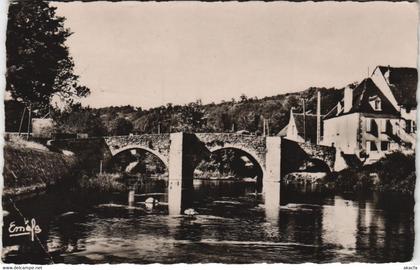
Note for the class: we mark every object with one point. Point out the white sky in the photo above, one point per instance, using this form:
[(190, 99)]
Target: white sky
[(149, 54)]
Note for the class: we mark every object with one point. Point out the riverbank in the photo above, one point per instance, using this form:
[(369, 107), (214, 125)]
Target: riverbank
[(394, 173), (30, 168)]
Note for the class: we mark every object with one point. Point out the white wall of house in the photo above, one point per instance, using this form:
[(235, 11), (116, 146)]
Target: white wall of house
[(292, 132), (342, 132), (377, 145), (410, 115)]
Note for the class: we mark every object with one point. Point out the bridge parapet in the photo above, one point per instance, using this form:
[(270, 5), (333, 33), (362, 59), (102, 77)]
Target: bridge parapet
[(157, 144)]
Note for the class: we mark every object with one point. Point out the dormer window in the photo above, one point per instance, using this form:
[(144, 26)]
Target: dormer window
[(378, 106), (376, 103), (338, 108)]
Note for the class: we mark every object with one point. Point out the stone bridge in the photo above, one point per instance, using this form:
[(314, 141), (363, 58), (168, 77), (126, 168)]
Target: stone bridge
[(181, 153), (205, 143), (298, 156)]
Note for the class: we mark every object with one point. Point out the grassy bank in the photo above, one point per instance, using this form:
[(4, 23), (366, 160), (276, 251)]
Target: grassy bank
[(394, 173), (31, 168)]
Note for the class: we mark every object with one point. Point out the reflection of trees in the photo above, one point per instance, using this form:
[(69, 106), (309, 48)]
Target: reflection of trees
[(58, 232), (70, 230), (384, 235)]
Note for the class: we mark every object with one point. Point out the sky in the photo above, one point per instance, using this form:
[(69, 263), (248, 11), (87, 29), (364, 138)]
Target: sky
[(151, 54)]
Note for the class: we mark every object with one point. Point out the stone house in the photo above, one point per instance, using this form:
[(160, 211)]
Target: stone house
[(378, 116)]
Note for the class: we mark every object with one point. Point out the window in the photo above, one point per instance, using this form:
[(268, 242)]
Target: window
[(377, 104), (383, 125), (371, 146), (339, 109), (384, 146), (372, 127), (408, 127), (389, 128)]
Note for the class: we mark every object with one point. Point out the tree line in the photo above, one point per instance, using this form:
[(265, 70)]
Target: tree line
[(40, 68)]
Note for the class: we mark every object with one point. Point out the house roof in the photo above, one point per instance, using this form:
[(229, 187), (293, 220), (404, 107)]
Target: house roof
[(283, 131), (362, 95), (403, 84), (310, 125)]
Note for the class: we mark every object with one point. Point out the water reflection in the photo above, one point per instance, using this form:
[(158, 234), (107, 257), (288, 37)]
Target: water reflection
[(272, 201), (339, 222), (234, 225)]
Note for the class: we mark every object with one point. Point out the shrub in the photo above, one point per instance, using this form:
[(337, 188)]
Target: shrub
[(397, 173), (102, 183)]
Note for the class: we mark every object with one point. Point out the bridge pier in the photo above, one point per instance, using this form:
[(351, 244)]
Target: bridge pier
[(182, 161), (272, 177), (175, 173)]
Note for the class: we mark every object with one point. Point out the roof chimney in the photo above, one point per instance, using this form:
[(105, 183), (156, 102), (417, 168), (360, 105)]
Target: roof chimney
[(386, 74), (348, 99), (304, 119), (318, 117)]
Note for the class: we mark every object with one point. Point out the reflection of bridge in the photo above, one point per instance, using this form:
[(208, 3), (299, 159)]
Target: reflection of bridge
[(181, 153)]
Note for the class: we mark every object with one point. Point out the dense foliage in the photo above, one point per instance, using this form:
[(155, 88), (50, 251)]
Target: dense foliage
[(246, 114), (77, 119), (102, 183), (395, 172), (38, 61)]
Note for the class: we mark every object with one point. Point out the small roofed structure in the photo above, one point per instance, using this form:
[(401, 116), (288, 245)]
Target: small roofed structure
[(301, 128)]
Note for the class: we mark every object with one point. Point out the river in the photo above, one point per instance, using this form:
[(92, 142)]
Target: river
[(232, 227)]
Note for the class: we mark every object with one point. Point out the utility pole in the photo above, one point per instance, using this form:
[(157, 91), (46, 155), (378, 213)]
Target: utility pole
[(304, 119), (318, 117), (29, 120), (159, 128), (264, 132), (21, 120)]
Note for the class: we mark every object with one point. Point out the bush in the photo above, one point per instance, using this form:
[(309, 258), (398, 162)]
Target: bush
[(349, 180), (102, 183), (396, 173)]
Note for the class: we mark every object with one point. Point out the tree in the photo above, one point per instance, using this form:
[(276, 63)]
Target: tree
[(225, 122), (38, 61), (191, 118), (77, 119), (243, 98), (121, 126)]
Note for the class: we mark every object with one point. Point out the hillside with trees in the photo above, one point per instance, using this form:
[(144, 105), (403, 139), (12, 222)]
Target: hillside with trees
[(228, 116)]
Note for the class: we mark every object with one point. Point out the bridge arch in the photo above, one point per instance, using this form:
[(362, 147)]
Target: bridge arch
[(254, 157), (161, 157)]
